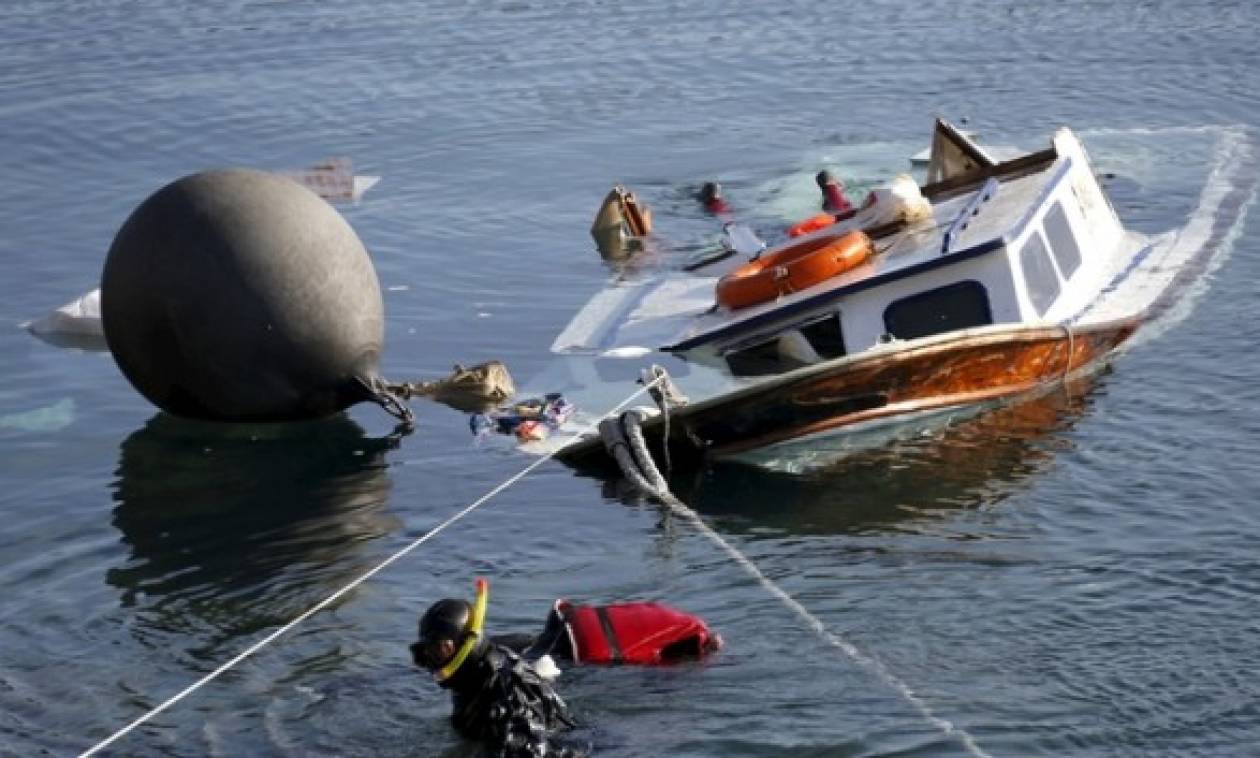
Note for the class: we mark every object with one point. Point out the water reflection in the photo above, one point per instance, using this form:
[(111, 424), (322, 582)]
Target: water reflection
[(898, 486), (242, 526)]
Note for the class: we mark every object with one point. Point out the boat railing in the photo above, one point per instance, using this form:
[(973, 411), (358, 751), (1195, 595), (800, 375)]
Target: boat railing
[(969, 211)]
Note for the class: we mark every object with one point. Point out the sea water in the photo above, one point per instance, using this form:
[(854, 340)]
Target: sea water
[(1071, 576)]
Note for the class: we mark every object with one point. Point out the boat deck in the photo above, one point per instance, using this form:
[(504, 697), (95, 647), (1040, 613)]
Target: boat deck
[(676, 310)]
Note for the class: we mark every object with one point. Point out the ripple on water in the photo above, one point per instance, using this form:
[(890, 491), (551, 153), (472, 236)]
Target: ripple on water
[(1071, 576)]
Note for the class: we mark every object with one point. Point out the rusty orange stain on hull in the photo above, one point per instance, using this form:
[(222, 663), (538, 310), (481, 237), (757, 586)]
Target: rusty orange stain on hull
[(967, 369)]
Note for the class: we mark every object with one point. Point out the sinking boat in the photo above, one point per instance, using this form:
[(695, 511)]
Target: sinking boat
[(996, 280)]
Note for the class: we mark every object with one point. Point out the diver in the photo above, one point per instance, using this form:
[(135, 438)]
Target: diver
[(499, 698), (832, 190), (501, 687)]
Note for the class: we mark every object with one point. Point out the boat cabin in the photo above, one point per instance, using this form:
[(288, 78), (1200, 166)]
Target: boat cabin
[(1027, 240)]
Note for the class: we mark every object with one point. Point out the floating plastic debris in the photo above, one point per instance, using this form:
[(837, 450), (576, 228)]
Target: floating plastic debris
[(528, 420)]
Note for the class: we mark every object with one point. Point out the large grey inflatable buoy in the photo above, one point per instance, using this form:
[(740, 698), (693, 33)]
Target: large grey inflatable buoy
[(240, 295)]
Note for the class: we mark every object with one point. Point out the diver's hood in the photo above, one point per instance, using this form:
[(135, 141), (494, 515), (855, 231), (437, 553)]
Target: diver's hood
[(446, 623)]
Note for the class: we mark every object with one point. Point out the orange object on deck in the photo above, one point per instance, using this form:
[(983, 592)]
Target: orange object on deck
[(793, 269), (811, 224)]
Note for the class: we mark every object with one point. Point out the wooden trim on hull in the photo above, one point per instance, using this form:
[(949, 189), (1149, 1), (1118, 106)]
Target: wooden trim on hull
[(969, 368), (950, 375)]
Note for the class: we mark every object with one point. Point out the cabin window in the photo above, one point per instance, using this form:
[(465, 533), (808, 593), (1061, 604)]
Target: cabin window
[(1039, 273), (821, 339), (825, 336), (954, 306), (1062, 241), (758, 359)]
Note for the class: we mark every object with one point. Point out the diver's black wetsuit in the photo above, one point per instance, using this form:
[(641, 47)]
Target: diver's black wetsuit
[(502, 702)]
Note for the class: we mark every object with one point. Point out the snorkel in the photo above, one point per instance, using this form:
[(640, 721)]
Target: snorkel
[(471, 635)]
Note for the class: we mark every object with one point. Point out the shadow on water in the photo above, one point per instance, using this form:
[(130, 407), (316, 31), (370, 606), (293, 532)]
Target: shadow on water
[(238, 527), (900, 486)]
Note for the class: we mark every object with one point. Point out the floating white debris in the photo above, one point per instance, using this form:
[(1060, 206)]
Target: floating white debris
[(75, 324), (333, 179), (629, 351)]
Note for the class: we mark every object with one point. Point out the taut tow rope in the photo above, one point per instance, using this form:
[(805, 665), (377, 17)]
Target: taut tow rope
[(623, 438), (353, 584)]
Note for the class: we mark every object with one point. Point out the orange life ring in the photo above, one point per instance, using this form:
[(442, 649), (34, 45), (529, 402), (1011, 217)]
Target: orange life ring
[(811, 224), (793, 269)]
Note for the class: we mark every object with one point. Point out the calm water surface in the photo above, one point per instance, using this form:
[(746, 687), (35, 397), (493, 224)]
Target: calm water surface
[(1076, 576)]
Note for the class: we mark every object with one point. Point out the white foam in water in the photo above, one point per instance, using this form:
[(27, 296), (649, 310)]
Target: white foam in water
[(1233, 171), (1165, 278)]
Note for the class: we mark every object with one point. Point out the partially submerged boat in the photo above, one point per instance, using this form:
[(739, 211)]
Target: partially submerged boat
[(993, 281)]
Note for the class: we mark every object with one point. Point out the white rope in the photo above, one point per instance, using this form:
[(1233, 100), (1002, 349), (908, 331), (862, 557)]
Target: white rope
[(342, 592), (629, 448)]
